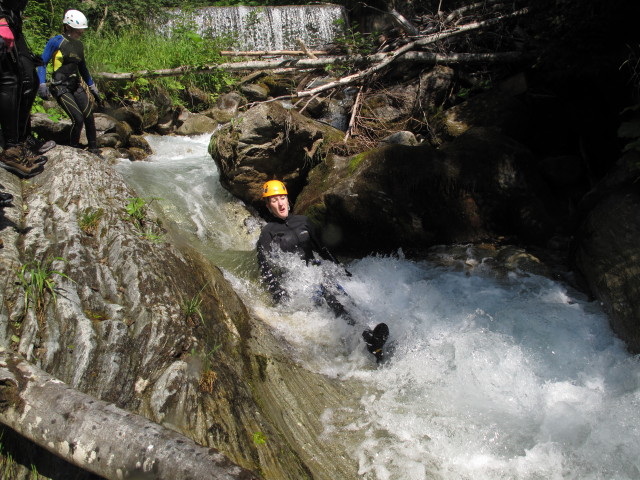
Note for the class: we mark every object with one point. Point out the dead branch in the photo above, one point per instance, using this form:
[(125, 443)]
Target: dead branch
[(460, 12), (356, 77), (98, 436), (272, 53), (405, 24), (354, 113), (380, 60), (304, 48), (302, 64)]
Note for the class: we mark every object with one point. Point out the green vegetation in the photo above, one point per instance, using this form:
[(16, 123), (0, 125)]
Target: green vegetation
[(8, 466), (90, 220), (36, 278), (145, 49), (137, 209), (208, 376), (259, 438), (192, 308)]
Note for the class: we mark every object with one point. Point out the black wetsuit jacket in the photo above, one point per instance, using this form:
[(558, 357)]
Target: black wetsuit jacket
[(18, 83), (295, 234)]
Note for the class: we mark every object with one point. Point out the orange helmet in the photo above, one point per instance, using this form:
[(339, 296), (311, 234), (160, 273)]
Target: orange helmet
[(273, 187)]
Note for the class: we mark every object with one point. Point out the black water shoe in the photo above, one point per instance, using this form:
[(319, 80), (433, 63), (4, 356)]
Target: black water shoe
[(5, 199), (375, 340)]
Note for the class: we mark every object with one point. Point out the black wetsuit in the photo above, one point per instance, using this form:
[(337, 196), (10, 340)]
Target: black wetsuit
[(69, 69), (18, 79), (295, 234)]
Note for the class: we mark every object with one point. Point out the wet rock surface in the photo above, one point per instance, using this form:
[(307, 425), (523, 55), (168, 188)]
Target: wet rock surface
[(118, 329)]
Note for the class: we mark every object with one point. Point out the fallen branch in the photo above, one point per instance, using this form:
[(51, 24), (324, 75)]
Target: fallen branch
[(405, 24), (354, 113), (308, 63), (380, 60), (408, 47), (98, 436), (304, 48), (272, 53)]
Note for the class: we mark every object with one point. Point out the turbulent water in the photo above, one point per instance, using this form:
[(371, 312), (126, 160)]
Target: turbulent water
[(269, 28), (491, 376)]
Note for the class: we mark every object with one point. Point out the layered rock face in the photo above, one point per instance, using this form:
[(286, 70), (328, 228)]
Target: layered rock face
[(114, 322)]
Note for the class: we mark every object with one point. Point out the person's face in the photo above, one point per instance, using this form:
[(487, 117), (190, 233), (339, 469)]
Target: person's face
[(75, 32), (278, 205)]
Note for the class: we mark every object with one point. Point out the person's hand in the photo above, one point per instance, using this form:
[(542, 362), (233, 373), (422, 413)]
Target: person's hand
[(43, 91), (280, 297), (96, 94)]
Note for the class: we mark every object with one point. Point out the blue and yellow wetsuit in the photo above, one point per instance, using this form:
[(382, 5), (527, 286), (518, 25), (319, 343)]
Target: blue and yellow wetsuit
[(69, 68)]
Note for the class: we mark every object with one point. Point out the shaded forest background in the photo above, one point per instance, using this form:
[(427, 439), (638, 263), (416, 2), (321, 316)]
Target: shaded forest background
[(584, 54)]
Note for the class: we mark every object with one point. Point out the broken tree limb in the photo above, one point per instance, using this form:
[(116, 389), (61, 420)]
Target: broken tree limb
[(405, 24), (308, 63), (354, 114), (98, 436), (392, 56), (382, 59), (272, 53), (304, 48)]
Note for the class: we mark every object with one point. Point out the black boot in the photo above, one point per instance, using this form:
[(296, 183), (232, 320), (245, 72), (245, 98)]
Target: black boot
[(375, 340), (5, 199)]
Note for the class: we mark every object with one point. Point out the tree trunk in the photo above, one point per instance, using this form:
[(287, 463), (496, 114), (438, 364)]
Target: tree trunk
[(97, 436)]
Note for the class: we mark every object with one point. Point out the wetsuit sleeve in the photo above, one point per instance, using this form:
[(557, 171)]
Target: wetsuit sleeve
[(317, 245), (49, 50), (84, 72), (269, 277), (322, 250)]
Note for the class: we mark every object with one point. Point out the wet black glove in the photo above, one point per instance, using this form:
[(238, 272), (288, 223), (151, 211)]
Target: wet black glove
[(43, 91), (280, 297), (96, 94)]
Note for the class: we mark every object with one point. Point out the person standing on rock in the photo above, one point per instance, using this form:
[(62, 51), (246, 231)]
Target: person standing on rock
[(296, 234), (18, 83), (70, 74)]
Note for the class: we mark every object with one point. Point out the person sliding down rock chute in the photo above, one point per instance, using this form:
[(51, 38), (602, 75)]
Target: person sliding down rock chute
[(296, 234)]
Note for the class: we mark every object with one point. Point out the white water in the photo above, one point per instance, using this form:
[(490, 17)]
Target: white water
[(493, 376), (268, 28)]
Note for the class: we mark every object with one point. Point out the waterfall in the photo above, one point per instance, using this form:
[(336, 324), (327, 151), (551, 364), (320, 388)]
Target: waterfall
[(495, 375), (268, 28)]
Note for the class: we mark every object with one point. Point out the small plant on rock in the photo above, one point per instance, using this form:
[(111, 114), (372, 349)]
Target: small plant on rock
[(137, 209), (192, 307), (90, 220), (38, 283), (208, 376)]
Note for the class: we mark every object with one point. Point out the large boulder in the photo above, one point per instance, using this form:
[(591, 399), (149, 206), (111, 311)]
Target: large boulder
[(118, 328), (482, 185), (607, 249), (497, 108), (188, 123), (46, 128), (269, 142)]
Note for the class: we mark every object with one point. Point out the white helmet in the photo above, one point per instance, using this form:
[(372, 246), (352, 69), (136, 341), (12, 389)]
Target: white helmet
[(75, 19)]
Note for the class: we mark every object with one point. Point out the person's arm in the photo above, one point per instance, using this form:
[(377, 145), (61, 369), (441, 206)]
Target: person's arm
[(320, 247), (84, 72), (86, 76), (269, 277), (317, 245), (49, 50)]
